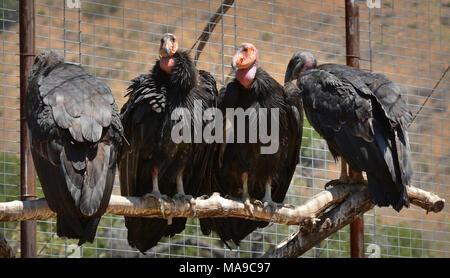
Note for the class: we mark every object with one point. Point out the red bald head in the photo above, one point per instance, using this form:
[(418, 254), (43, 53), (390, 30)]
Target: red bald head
[(168, 47), (245, 56)]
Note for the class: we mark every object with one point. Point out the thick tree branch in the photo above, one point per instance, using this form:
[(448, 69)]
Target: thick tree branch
[(332, 221), (426, 200), (215, 206), (340, 216)]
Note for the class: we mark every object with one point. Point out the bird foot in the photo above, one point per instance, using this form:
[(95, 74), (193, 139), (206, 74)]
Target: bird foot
[(271, 204), (248, 205), (203, 197), (183, 197), (156, 195), (160, 198), (341, 180), (258, 203)]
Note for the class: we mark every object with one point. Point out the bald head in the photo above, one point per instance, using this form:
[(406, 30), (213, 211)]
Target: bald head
[(300, 62), (246, 55), (169, 45)]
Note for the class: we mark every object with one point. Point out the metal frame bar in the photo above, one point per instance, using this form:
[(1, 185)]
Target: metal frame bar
[(352, 44), (27, 172)]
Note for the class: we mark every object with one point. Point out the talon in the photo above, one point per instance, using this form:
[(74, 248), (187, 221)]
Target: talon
[(258, 203), (194, 206), (343, 179), (160, 198), (269, 203), (330, 183), (337, 182), (248, 206), (182, 196)]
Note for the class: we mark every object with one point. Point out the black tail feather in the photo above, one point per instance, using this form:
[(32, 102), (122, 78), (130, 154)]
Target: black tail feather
[(76, 228), (235, 229), (385, 195), (144, 233)]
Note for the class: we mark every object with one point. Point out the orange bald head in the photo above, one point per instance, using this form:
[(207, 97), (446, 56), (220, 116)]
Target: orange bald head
[(245, 56)]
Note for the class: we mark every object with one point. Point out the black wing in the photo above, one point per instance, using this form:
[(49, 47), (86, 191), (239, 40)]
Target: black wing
[(148, 133), (386, 92), (230, 160), (356, 128), (75, 131), (140, 120), (204, 153), (387, 96), (295, 114), (141, 92)]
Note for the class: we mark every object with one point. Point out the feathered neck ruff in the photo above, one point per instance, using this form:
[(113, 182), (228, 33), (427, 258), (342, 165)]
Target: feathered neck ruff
[(183, 77), (263, 84)]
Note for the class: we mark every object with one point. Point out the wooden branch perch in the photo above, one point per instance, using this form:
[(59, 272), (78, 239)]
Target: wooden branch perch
[(335, 219), (210, 26), (340, 216), (215, 206)]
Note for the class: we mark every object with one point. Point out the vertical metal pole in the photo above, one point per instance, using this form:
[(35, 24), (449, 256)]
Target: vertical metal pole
[(27, 172), (352, 51), (352, 32)]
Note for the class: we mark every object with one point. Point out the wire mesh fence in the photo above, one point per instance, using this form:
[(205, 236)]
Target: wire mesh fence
[(409, 41)]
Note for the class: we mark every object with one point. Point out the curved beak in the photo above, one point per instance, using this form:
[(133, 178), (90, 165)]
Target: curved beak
[(233, 64), (293, 69), (165, 49), (289, 72)]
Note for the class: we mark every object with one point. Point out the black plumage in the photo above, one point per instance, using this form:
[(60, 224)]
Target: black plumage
[(233, 160), (75, 131), (364, 120), (152, 156)]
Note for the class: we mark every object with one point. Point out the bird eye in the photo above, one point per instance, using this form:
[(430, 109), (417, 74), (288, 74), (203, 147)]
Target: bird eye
[(245, 49)]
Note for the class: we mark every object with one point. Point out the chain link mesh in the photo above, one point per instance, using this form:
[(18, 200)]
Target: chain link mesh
[(116, 40)]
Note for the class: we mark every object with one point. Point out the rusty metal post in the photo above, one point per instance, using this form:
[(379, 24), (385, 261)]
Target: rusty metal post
[(352, 51), (27, 172)]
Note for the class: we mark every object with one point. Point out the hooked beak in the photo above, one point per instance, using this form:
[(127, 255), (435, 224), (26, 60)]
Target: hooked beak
[(293, 69), (166, 48), (237, 61), (233, 64), (165, 52)]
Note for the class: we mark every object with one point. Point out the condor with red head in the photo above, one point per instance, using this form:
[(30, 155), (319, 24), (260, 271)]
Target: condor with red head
[(242, 170), (152, 163)]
